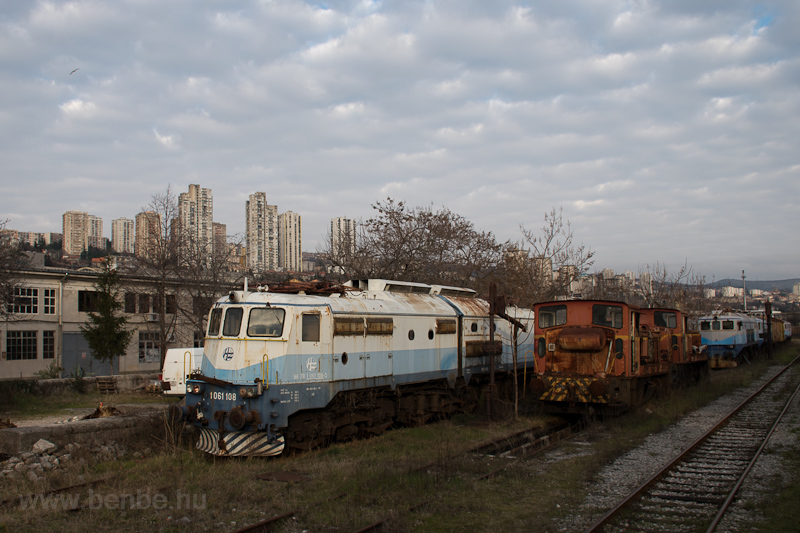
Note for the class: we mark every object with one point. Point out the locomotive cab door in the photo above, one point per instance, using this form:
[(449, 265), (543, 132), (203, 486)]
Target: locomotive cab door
[(348, 348), (378, 342), (315, 346), (635, 348)]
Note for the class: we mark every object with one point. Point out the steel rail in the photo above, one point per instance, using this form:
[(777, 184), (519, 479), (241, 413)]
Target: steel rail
[(752, 463), (611, 513), (541, 441)]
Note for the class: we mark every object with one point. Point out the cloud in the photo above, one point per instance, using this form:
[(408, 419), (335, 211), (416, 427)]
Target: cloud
[(167, 141), (633, 116)]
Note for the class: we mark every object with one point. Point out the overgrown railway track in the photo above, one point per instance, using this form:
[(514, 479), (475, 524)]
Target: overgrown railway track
[(517, 447), (695, 489)]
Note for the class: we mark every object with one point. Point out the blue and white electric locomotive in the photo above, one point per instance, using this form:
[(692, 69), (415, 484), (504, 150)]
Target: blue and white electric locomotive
[(730, 337), (299, 370)]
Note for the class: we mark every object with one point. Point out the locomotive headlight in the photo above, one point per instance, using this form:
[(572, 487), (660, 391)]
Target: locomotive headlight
[(196, 388), (243, 392)]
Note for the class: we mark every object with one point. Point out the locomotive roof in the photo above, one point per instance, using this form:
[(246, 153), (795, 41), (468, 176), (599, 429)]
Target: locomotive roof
[(611, 302), (727, 313), (367, 302)]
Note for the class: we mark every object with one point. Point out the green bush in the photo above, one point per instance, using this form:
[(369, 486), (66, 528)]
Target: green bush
[(51, 372)]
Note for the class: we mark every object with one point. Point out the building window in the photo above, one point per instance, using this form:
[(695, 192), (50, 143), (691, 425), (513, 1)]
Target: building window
[(144, 303), (149, 351), (87, 301), (26, 301), (199, 338), (20, 345), (48, 344), (130, 303), (172, 304), (49, 301)]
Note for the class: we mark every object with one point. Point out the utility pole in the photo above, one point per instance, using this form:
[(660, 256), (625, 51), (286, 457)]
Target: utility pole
[(744, 292)]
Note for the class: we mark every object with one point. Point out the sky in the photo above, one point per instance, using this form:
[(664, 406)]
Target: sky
[(666, 131)]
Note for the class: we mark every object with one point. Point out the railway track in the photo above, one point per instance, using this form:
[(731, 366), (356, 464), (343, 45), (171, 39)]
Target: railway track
[(694, 490), (517, 447)]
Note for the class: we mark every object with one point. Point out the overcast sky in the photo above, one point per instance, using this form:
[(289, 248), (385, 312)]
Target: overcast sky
[(667, 131)]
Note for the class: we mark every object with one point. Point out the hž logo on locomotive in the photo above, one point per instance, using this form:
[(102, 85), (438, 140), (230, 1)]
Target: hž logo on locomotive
[(311, 375), (227, 354)]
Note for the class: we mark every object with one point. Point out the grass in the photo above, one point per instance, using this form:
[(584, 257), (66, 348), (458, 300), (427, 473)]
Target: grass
[(382, 477), (32, 406)]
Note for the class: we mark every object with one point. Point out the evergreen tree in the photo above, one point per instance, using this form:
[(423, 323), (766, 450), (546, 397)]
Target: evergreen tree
[(105, 331)]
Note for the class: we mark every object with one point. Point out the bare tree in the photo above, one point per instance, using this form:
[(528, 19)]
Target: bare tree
[(10, 263), (599, 287), (683, 289), (547, 264), (157, 261), (203, 275), (420, 244)]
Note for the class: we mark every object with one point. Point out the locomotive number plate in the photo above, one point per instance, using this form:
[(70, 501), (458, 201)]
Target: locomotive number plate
[(222, 396)]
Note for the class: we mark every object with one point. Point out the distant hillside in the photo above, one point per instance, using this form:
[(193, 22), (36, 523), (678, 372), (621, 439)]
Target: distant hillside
[(783, 284)]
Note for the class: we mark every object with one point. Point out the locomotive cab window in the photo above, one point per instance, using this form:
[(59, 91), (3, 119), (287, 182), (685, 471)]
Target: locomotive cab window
[(705, 326), (552, 315), (214, 322), (233, 322), (665, 319), (607, 315), (311, 327), (265, 322), (727, 324)]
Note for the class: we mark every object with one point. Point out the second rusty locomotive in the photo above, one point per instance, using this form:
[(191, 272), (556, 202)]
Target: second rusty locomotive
[(595, 355)]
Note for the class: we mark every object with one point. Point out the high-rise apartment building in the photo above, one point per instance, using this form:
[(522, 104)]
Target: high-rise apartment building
[(196, 215), (343, 236), (148, 234), (290, 241), (220, 240), (123, 235), (96, 232), (76, 232), (261, 233)]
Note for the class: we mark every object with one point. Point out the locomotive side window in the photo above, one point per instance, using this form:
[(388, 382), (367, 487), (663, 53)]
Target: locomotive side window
[(607, 315), (445, 326), (552, 315), (348, 326), (265, 322), (311, 327), (214, 322), (233, 322), (665, 319), (380, 326)]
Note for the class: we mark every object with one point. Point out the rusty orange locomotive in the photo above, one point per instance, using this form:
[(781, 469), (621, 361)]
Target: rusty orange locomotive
[(596, 355)]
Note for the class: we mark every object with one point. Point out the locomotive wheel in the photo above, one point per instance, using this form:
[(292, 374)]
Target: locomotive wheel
[(362, 414), (307, 431)]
